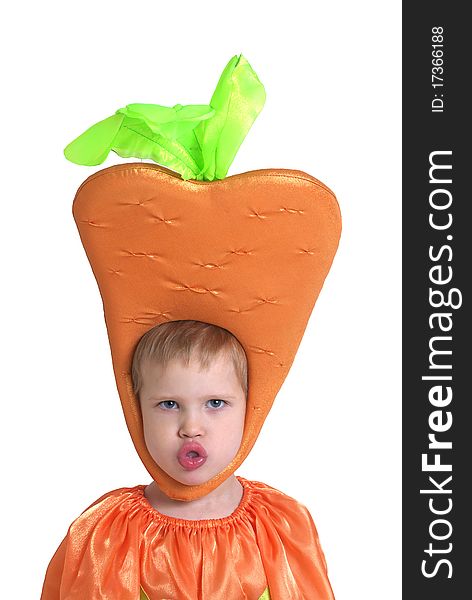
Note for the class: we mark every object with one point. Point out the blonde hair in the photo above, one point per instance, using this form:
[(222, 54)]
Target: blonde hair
[(185, 340)]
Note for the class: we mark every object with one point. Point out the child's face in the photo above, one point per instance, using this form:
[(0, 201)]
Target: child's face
[(193, 420)]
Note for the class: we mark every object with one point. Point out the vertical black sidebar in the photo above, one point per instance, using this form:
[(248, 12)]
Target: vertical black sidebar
[(437, 270)]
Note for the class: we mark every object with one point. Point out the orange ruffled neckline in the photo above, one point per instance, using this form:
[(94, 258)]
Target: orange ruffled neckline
[(138, 493), (121, 544)]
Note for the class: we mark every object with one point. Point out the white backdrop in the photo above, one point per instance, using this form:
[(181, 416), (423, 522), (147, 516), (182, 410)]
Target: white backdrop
[(332, 75)]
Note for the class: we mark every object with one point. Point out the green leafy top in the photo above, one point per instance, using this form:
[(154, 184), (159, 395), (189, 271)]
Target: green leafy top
[(198, 141)]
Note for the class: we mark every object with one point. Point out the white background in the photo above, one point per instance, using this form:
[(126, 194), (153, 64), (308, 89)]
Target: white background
[(332, 75)]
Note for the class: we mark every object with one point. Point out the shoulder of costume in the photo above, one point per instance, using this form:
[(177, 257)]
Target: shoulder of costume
[(269, 493), (113, 497)]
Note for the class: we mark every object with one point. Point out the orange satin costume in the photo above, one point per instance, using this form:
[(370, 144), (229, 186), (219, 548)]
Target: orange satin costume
[(141, 223), (121, 544), (248, 253)]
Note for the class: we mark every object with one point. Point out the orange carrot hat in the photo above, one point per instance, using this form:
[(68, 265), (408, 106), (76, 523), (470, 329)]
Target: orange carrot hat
[(248, 252)]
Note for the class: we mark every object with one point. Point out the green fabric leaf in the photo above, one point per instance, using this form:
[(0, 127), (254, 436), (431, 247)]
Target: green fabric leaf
[(94, 145), (265, 595), (135, 138), (238, 98), (172, 122), (142, 594), (198, 141)]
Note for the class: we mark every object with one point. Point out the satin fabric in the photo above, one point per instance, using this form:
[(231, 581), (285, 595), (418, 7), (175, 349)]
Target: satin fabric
[(265, 595), (121, 543), (198, 141)]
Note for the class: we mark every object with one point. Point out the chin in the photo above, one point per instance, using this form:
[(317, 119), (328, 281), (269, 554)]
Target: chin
[(198, 476), (194, 478)]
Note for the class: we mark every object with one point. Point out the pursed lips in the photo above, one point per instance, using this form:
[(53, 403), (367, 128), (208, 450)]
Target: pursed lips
[(192, 455)]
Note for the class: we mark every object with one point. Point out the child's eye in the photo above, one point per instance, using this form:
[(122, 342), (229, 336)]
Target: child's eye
[(216, 403), (168, 404)]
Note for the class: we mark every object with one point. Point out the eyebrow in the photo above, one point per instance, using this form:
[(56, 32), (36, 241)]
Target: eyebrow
[(208, 396)]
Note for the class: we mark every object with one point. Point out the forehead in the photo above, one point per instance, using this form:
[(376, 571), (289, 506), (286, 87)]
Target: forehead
[(179, 381), (220, 365), (195, 361)]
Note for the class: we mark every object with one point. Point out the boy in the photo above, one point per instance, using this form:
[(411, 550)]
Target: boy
[(242, 540)]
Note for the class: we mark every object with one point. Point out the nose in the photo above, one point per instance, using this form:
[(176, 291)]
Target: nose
[(191, 426)]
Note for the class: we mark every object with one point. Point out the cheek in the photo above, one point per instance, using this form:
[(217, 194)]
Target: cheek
[(233, 429), (156, 431)]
